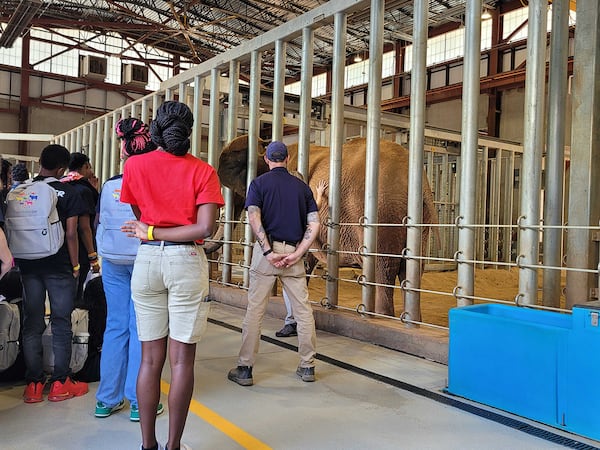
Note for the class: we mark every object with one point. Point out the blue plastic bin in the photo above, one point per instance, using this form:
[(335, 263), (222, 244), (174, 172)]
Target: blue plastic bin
[(537, 364)]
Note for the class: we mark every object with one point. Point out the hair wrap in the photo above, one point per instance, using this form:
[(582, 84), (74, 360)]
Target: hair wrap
[(172, 127), (135, 137)]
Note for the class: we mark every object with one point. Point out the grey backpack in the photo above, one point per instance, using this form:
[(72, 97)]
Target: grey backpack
[(32, 225), (10, 326), (112, 243)]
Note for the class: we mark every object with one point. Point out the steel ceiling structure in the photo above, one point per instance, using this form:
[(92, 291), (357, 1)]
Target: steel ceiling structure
[(196, 31)]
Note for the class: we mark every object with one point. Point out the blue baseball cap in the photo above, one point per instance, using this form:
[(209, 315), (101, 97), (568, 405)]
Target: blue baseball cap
[(277, 151)]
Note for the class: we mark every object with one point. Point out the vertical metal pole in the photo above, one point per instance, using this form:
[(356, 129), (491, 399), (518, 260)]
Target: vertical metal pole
[(85, 138), (305, 100), (182, 93), (555, 137), (278, 94), (145, 113), (99, 150), (335, 155), (134, 110), (214, 121), (482, 202), (418, 86), (253, 136), (584, 187), (468, 153), (509, 189), (197, 110), (114, 150), (78, 140), (533, 145), (92, 149), (155, 103), (232, 120), (372, 154), (106, 144)]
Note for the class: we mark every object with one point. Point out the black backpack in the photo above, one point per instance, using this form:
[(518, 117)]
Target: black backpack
[(95, 302)]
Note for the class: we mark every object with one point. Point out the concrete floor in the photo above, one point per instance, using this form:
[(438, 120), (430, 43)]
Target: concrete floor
[(365, 397)]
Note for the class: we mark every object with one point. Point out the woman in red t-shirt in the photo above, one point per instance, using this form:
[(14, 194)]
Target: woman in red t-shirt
[(176, 198)]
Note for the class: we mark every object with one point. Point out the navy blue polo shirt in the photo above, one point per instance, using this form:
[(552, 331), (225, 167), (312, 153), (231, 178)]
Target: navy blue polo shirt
[(284, 201)]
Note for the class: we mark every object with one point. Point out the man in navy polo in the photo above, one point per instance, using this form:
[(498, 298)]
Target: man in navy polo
[(284, 217)]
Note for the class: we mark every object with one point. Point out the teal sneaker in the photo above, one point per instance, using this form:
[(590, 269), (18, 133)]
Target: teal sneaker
[(134, 414), (104, 411)]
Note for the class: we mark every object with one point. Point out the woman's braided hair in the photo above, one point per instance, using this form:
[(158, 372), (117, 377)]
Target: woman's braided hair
[(135, 137), (172, 127)]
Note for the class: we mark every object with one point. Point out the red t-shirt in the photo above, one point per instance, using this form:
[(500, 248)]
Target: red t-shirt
[(168, 189)]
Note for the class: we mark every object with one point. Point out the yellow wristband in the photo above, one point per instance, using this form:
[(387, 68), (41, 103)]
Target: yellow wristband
[(150, 232), (76, 268)]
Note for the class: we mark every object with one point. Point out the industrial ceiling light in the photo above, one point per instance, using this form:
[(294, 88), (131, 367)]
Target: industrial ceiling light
[(357, 58), (486, 14), (19, 21)]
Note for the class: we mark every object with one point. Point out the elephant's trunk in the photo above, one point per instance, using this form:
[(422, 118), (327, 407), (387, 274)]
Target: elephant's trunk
[(216, 242)]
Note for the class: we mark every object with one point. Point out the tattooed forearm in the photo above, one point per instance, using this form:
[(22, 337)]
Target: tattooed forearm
[(312, 217), (255, 220)]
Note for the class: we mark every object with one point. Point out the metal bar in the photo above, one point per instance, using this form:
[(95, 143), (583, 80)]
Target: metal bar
[(306, 75), (585, 151), (232, 119), (335, 155), (197, 111), (214, 120), (78, 140), (27, 137), (533, 144), (253, 137), (555, 154), (144, 116), (106, 144), (99, 149), (418, 88), (468, 169), (508, 205), (114, 150), (372, 154), (278, 84)]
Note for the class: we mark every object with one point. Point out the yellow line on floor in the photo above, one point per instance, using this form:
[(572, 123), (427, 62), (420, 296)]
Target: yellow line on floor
[(237, 434)]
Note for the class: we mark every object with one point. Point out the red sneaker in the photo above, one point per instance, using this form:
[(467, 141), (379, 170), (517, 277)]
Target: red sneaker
[(33, 392), (69, 389)]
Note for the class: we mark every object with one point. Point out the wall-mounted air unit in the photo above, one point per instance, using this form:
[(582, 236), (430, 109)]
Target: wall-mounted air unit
[(93, 67), (134, 74)]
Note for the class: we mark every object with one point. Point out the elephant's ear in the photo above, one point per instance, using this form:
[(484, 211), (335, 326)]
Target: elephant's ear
[(233, 163)]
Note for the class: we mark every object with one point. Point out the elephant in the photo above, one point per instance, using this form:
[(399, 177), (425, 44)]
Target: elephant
[(392, 202)]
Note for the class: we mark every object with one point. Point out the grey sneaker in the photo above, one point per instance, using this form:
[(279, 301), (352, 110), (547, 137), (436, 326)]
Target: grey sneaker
[(287, 331), (306, 373), (241, 375)]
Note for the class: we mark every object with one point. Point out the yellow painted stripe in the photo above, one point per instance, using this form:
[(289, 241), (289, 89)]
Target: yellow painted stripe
[(209, 416)]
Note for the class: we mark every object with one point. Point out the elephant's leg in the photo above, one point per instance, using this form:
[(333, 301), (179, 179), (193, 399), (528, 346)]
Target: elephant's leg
[(310, 262), (387, 270)]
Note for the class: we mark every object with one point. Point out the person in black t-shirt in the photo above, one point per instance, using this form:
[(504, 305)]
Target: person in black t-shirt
[(80, 171), (57, 276)]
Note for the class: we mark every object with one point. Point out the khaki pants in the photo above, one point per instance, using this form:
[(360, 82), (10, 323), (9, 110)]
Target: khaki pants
[(293, 279)]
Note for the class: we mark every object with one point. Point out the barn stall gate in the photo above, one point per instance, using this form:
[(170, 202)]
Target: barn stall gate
[(500, 226)]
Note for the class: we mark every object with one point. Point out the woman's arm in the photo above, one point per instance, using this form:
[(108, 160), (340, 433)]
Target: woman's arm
[(205, 226)]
